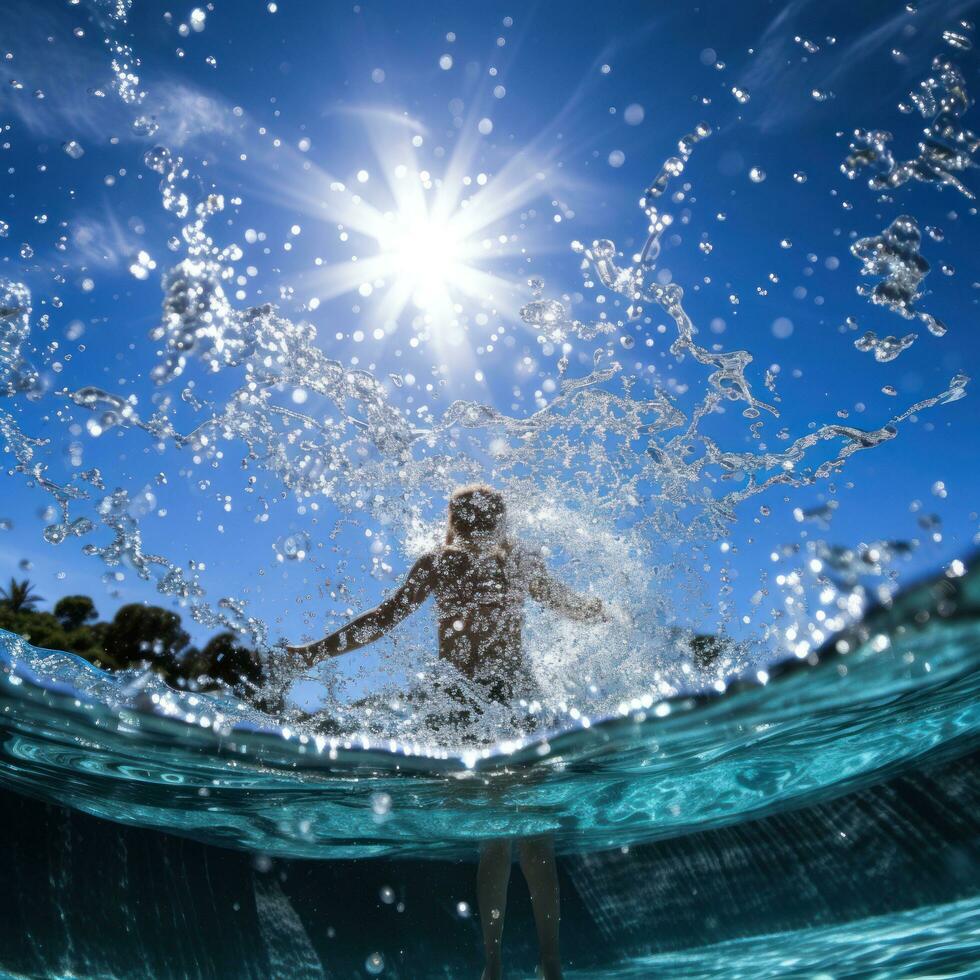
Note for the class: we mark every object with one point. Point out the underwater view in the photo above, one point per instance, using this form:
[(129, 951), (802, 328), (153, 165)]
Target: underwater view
[(489, 491)]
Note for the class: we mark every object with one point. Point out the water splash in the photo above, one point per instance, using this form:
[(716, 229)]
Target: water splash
[(616, 475), (884, 348), (894, 256), (947, 148)]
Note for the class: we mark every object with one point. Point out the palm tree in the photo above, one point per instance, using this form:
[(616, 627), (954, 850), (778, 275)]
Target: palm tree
[(20, 596)]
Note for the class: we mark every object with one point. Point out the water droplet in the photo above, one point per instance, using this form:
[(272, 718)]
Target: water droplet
[(956, 40), (633, 114), (157, 159)]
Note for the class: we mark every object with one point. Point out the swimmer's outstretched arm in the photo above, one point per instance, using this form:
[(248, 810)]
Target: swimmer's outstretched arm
[(556, 595), (374, 624)]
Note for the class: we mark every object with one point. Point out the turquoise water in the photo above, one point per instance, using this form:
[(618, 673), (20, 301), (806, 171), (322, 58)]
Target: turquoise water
[(799, 754), (84, 738), (942, 941)]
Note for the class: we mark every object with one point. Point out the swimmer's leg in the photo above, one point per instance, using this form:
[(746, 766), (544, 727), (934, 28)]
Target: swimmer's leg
[(537, 855), (492, 877)]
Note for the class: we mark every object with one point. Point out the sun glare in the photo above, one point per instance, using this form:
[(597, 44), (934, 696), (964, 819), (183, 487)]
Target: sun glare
[(425, 256)]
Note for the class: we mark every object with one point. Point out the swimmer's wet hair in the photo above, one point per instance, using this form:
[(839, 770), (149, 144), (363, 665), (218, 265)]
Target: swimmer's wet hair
[(476, 511)]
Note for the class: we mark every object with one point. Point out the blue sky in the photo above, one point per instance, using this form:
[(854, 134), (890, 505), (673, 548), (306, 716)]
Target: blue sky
[(585, 101)]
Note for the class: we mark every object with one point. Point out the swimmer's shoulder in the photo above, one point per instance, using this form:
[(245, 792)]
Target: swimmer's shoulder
[(448, 557)]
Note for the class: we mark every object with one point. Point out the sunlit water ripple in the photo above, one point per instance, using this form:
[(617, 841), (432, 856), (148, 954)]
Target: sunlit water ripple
[(202, 767)]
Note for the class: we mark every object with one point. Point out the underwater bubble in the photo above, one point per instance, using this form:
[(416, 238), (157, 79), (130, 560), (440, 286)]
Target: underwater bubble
[(197, 19), (741, 95), (26, 252), (617, 158), (799, 176), (782, 327), (463, 910), (73, 149), (375, 964), (387, 895), (757, 175), (380, 804)]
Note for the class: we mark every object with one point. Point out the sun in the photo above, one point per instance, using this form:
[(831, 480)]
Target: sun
[(425, 250), (424, 257)]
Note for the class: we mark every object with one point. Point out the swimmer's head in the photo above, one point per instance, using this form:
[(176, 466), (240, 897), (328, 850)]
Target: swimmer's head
[(477, 516)]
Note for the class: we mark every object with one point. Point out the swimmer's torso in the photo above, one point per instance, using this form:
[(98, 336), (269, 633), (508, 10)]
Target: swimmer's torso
[(480, 606)]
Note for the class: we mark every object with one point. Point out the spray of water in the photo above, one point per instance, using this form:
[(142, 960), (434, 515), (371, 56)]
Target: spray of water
[(621, 484)]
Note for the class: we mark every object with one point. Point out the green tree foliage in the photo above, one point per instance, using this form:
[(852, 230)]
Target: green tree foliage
[(73, 611), (137, 635), (19, 596), (141, 633), (226, 661)]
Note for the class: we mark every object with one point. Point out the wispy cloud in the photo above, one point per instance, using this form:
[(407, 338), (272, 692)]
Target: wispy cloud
[(63, 89), (780, 80), (102, 241), (185, 113)]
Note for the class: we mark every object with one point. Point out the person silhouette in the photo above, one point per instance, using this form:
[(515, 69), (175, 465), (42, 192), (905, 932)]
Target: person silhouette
[(480, 579)]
